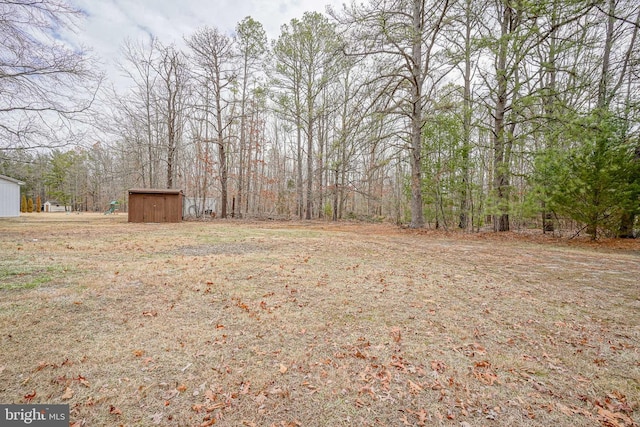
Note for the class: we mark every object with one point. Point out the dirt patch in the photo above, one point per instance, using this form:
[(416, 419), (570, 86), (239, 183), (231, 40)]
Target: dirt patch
[(267, 323), (217, 249)]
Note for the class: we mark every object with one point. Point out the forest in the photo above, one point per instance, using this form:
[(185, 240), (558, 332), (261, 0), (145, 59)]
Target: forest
[(451, 114)]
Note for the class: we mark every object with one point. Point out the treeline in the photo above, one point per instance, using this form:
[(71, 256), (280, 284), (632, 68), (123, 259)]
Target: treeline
[(446, 113)]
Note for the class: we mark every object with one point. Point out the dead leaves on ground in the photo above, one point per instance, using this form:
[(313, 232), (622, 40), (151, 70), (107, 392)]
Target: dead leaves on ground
[(484, 373), (29, 396), (410, 385), (612, 411), (68, 394)]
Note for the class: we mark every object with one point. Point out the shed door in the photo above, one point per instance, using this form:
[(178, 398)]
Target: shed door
[(154, 208)]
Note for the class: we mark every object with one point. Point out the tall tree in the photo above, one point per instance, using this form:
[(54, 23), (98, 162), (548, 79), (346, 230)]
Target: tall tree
[(252, 45), (171, 70), (60, 179), (402, 36), (138, 111), (305, 55), (591, 174), (464, 54), (214, 54)]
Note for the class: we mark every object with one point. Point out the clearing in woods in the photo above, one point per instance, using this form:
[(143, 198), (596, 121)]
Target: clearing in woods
[(316, 324)]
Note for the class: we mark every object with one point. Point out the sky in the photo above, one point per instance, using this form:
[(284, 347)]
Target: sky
[(109, 22)]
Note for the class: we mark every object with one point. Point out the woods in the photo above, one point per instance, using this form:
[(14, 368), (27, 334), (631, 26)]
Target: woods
[(470, 114)]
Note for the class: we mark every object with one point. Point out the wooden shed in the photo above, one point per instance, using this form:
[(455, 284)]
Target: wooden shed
[(155, 205)]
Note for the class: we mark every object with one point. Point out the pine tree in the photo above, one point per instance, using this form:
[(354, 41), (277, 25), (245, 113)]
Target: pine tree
[(592, 183)]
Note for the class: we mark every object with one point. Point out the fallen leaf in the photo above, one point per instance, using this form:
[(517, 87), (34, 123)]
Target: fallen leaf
[(614, 419), (29, 396), (600, 362), (565, 409), (283, 369), (115, 411), (182, 388), (415, 388), (43, 365), (396, 334), (438, 365), (151, 313), (138, 353), (68, 394), (83, 380), (215, 406), (421, 414)]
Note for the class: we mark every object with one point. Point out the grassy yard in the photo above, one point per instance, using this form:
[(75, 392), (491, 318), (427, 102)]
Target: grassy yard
[(232, 323)]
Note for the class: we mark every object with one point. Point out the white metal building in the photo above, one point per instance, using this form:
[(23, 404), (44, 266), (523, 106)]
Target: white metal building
[(54, 206), (9, 196)]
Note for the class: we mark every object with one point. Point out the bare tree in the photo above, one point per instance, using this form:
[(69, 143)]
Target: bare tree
[(305, 54), (252, 43), (138, 110), (171, 71), (402, 35), (46, 85), (213, 55)]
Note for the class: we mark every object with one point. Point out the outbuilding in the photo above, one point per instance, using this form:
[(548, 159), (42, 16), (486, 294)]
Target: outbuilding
[(55, 206), (9, 197), (155, 205)]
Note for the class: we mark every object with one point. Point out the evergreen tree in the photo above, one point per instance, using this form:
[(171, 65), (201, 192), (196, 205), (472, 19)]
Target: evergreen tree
[(594, 182)]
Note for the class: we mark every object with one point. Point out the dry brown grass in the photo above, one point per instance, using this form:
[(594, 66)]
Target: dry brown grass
[(314, 324)]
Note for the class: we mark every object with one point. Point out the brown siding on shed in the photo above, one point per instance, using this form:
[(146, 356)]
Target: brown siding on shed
[(155, 205)]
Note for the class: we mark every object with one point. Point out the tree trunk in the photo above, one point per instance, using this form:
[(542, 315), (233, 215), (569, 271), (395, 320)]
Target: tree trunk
[(417, 216), (466, 123), (309, 207), (222, 158), (243, 135), (500, 165), (299, 183)]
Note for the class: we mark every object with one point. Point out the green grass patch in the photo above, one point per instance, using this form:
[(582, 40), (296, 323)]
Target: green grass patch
[(27, 276)]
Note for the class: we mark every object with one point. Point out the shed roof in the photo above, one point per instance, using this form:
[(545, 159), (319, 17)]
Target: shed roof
[(13, 180), (153, 191)]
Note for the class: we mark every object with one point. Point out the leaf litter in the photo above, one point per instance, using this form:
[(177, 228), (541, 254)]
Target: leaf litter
[(251, 323)]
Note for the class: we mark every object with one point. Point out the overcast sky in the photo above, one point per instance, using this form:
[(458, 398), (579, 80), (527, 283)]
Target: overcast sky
[(110, 22)]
